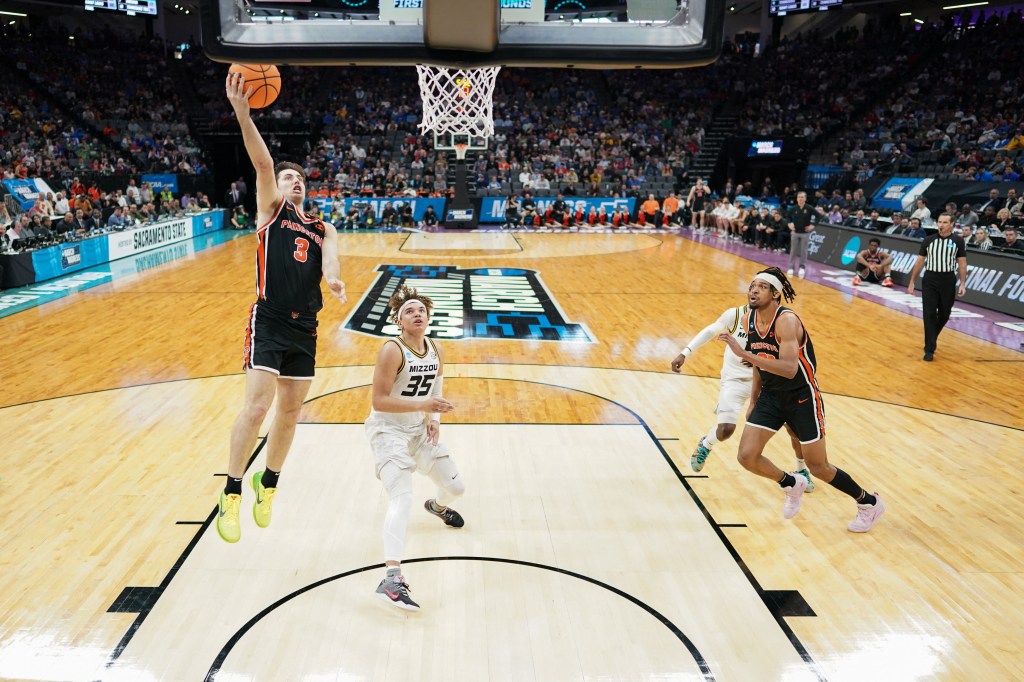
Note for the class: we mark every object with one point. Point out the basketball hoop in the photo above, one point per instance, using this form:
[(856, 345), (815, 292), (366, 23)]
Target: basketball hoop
[(457, 101)]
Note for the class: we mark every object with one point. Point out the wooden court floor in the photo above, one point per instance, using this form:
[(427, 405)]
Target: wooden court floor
[(591, 551)]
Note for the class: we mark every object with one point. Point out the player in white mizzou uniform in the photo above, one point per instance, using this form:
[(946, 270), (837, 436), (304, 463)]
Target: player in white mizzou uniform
[(734, 392), (404, 429)]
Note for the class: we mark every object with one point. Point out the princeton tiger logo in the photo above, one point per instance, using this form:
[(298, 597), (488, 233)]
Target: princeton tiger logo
[(497, 303)]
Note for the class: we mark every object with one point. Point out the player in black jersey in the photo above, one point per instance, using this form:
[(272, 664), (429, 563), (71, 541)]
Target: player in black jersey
[(294, 252), (785, 391)]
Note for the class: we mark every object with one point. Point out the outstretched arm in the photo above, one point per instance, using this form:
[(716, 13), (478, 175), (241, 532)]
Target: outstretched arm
[(719, 326), (267, 194)]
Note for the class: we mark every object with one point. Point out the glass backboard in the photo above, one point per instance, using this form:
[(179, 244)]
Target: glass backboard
[(466, 33)]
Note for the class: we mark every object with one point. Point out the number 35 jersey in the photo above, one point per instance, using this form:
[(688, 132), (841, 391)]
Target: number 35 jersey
[(289, 262), (414, 381)]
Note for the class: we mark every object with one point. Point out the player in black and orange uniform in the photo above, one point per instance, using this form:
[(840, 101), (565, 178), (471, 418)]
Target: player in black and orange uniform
[(294, 252), (785, 391)]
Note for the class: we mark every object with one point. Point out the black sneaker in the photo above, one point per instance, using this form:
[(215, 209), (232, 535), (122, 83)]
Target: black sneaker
[(396, 591), (449, 516)]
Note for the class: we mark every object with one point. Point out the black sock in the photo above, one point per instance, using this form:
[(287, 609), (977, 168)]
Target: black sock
[(867, 498), (234, 486), (269, 479), (787, 480), (842, 481)]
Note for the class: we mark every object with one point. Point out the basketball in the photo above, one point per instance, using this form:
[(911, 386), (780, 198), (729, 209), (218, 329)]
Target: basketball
[(265, 81)]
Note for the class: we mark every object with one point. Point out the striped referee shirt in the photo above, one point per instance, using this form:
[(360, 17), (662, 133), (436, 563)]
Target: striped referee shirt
[(940, 253)]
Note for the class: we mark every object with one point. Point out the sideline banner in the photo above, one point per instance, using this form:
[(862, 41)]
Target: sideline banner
[(419, 204), (994, 280), (493, 208), (70, 257)]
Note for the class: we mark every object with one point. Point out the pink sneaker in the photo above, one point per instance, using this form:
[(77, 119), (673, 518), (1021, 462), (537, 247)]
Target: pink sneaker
[(794, 495), (867, 516)]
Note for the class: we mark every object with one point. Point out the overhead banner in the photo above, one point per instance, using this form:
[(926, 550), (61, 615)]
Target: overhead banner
[(492, 209), (25, 191), (157, 181), (994, 280), (898, 194)]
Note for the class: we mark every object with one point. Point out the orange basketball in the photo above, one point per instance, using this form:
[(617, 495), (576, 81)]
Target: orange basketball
[(265, 81)]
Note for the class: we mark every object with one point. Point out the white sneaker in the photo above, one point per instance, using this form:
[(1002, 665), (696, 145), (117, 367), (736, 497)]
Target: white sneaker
[(867, 516), (789, 272), (802, 273), (794, 496)]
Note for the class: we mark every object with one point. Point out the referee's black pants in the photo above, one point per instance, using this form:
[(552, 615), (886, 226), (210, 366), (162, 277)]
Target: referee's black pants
[(938, 291)]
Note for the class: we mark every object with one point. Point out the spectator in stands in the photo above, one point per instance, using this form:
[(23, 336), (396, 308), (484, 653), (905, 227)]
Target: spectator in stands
[(875, 222), (834, 216), (899, 223), (1003, 220), (994, 201), (914, 230), (1014, 204), (83, 223), (232, 197), (968, 218), (60, 204), (66, 226), (45, 231), (5, 215), (97, 221), (873, 265), (980, 239), (132, 193), (921, 211), (858, 220), (5, 244), (1012, 243), (116, 219), (166, 195)]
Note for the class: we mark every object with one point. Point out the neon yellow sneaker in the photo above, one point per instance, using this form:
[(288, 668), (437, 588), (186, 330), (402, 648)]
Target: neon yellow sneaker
[(227, 517), (264, 498)]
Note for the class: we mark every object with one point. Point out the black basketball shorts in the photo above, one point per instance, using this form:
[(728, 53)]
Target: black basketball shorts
[(275, 343), (802, 409)]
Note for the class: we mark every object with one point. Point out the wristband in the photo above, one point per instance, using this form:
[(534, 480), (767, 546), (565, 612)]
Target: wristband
[(436, 416), (686, 352)]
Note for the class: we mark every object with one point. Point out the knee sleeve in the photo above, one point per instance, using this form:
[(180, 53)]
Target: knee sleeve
[(398, 484), (449, 481)]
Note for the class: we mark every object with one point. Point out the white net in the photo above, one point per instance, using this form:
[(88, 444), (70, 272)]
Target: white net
[(457, 101)]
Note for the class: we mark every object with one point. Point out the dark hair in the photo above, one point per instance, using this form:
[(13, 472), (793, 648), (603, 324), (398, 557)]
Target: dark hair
[(787, 289), (288, 165), (875, 240), (404, 294)]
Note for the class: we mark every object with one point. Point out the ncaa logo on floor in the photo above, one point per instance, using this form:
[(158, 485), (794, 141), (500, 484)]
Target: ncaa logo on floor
[(500, 303)]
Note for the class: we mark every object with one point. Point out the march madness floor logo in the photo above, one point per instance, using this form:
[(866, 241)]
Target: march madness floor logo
[(497, 303)]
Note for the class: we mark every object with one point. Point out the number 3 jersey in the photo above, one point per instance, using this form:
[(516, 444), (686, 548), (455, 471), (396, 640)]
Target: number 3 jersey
[(289, 262), (414, 381)]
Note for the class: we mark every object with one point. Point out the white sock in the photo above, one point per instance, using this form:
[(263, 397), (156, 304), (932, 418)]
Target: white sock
[(800, 465), (711, 440)]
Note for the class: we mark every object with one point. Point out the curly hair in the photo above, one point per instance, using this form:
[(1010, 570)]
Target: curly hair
[(787, 289), (404, 294)]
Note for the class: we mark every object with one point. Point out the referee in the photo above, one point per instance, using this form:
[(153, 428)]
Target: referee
[(942, 254)]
